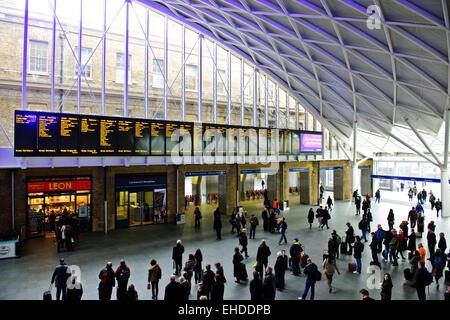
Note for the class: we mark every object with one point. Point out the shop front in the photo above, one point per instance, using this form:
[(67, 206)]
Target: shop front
[(52, 200), (140, 199)]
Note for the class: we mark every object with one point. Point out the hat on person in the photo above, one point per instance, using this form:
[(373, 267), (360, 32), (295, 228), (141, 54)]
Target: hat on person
[(295, 239)]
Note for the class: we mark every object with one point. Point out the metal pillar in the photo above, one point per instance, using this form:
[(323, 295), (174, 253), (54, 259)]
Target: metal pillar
[(25, 55), (355, 184), (53, 58), (242, 92), (79, 57), (125, 93), (444, 168), (199, 78), (287, 110), (255, 94), (229, 87), (183, 72), (297, 125), (215, 82), (166, 55), (277, 106), (147, 22), (266, 101), (104, 60)]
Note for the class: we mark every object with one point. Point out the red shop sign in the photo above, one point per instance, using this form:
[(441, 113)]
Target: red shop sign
[(58, 186)]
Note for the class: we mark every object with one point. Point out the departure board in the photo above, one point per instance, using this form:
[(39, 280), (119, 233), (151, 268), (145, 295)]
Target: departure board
[(232, 141), (158, 138), (108, 136), (69, 130), (262, 142), (56, 134), (253, 142), (89, 135), (141, 138), (125, 137), (47, 143), (25, 133)]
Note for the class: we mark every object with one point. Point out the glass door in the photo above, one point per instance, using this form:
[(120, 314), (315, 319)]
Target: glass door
[(36, 209), (140, 208), (83, 212), (122, 209)]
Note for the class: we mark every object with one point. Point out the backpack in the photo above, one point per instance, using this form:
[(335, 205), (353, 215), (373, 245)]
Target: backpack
[(104, 278), (338, 239), (125, 274), (438, 262)]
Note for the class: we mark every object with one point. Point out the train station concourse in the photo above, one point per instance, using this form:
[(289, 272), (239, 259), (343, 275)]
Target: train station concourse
[(299, 148)]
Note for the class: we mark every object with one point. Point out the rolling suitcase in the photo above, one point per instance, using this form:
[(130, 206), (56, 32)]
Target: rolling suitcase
[(352, 267), (343, 248), (47, 296)]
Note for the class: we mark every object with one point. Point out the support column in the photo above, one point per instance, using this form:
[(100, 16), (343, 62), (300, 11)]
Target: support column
[(304, 184), (444, 168), (355, 184), (338, 184)]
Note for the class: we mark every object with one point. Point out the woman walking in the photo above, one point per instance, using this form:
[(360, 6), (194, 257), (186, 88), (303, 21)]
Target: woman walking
[(198, 266), (237, 263), (329, 268), (310, 217)]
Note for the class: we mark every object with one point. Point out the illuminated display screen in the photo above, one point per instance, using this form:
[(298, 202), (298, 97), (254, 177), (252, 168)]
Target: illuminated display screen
[(57, 134)]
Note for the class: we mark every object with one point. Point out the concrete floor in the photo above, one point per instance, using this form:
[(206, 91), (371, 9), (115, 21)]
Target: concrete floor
[(29, 276)]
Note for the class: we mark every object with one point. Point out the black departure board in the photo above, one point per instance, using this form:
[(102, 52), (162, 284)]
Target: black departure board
[(125, 136), (89, 135), (69, 135), (48, 127), (25, 134), (158, 138), (57, 134), (141, 138)]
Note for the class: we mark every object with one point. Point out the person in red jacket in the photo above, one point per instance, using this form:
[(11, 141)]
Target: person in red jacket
[(275, 204), (122, 276), (402, 243)]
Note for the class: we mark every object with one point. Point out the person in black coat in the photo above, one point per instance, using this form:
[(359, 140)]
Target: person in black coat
[(177, 256), (431, 240), (256, 292), (243, 241), (442, 244), (198, 216), (218, 288), (60, 276), (420, 278), (280, 270), (310, 217), (237, 268), (349, 238), (272, 221), (262, 256), (217, 224), (268, 287), (107, 278), (386, 287), (172, 290), (184, 289), (412, 241), (265, 217), (208, 280), (219, 270)]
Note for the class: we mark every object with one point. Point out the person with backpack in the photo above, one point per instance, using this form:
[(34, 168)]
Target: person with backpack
[(312, 275), (243, 241), (253, 224), (330, 267), (359, 248), (421, 280), (189, 266), (438, 264), (154, 275), (432, 200), (412, 217), (282, 226), (295, 252), (59, 277), (177, 256), (107, 278), (310, 217), (122, 277), (325, 217), (74, 289), (280, 270)]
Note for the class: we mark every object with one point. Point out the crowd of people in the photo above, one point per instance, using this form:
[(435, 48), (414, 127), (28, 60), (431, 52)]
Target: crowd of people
[(266, 279)]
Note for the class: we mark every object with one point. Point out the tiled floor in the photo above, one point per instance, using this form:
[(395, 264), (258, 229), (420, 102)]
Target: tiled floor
[(29, 276)]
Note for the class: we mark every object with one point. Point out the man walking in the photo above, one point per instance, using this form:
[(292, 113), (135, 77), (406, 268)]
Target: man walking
[(359, 247), (282, 226), (177, 256), (243, 241), (310, 272), (60, 276), (262, 257), (253, 224)]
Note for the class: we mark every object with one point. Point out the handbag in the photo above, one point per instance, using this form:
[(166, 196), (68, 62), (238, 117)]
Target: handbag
[(324, 272)]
